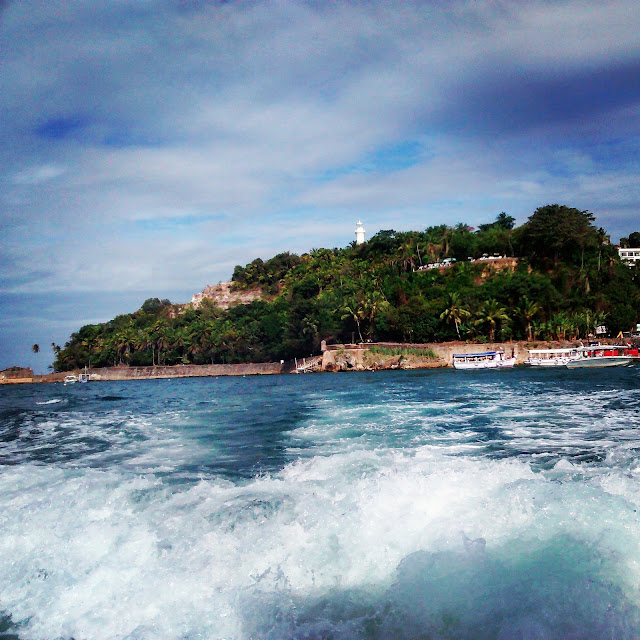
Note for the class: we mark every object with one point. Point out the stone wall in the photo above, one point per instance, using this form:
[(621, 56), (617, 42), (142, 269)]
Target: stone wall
[(190, 371), (178, 371), (15, 380), (16, 375), (360, 358)]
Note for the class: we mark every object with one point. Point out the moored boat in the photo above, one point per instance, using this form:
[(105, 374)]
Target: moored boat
[(483, 360), (600, 356), (70, 379), (551, 357)]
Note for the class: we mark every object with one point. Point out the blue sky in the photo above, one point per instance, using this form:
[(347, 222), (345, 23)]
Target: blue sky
[(149, 146)]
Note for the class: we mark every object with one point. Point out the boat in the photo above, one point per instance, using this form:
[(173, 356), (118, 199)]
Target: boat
[(70, 379), (83, 377), (600, 356), (483, 360), (551, 357)]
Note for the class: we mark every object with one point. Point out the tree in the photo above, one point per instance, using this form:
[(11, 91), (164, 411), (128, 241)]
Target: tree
[(502, 221), (154, 305), (622, 317), (555, 230), (490, 315), (603, 239), (527, 310), (560, 324), (35, 348), (454, 312), (505, 221), (357, 313), (373, 303), (462, 242)]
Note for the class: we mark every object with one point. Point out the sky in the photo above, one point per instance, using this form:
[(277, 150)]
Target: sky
[(149, 146)]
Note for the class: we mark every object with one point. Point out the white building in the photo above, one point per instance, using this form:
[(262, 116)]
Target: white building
[(359, 233), (629, 256)]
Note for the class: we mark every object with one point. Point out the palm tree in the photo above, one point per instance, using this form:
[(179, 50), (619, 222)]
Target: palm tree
[(374, 301), (35, 348), (560, 324), (447, 234), (182, 343), (490, 315), (603, 238), (527, 310), (407, 255), (199, 338), (352, 311), (120, 342), (90, 344), (101, 350), (166, 341), (454, 311), (156, 339)]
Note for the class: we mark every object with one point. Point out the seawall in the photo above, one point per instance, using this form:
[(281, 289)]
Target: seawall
[(176, 371)]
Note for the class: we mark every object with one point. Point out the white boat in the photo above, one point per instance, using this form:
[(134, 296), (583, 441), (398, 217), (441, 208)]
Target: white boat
[(551, 357), (84, 377), (600, 356), (70, 379), (483, 360)]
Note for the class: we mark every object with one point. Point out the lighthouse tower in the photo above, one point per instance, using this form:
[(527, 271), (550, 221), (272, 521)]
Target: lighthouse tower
[(359, 233)]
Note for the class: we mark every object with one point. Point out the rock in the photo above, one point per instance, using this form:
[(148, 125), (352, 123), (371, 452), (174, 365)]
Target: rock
[(223, 296)]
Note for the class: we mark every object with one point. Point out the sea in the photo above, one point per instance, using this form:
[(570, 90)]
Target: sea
[(401, 505)]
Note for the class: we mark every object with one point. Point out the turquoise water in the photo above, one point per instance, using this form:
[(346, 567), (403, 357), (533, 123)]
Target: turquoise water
[(425, 504)]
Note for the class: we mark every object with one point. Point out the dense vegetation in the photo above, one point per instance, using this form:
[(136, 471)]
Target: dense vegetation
[(568, 279)]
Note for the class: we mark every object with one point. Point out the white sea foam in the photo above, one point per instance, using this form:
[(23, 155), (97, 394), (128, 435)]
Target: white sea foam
[(386, 520), (52, 401), (339, 543)]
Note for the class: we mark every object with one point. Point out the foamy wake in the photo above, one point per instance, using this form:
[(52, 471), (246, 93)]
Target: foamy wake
[(365, 544)]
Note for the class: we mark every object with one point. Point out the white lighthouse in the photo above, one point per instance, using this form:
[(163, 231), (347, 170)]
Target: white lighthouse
[(359, 233)]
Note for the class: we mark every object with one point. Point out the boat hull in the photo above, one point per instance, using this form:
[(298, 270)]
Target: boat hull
[(486, 364), (600, 361), (548, 363)]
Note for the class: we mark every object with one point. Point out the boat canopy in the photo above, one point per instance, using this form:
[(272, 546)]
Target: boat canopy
[(540, 351), (602, 347), (474, 355)]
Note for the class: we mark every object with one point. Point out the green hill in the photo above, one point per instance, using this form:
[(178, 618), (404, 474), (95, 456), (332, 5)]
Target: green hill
[(558, 278)]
